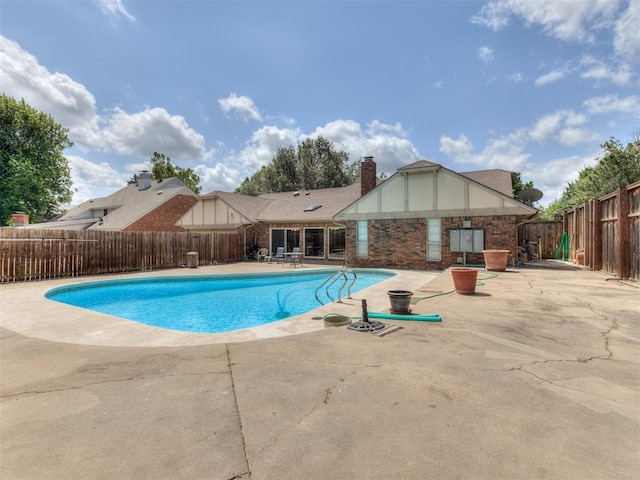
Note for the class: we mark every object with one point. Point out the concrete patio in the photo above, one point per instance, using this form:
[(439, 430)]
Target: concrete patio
[(536, 376)]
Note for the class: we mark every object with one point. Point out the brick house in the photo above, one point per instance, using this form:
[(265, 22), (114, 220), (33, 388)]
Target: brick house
[(289, 219), (146, 206), (376, 225), (426, 216)]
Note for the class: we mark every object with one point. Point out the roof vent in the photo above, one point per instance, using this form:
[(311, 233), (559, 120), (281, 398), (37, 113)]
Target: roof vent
[(311, 208)]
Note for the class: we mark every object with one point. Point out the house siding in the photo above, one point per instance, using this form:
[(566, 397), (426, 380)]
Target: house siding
[(164, 217), (402, 243)]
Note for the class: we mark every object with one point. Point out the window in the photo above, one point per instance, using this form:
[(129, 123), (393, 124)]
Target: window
[(434, 253), (284, 237), (362, 239), (336, 242), (314, 242)]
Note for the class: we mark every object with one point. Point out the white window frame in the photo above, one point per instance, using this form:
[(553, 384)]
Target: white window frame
[(362, 239), (434, 240)]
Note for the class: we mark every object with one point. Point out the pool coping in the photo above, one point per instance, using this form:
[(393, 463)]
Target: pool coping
[(27, 311)]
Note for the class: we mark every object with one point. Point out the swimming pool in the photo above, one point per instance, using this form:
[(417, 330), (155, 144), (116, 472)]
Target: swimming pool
[(211, 303)]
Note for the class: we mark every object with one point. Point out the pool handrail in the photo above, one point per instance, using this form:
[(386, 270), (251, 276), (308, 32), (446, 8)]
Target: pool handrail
[(331, 280)]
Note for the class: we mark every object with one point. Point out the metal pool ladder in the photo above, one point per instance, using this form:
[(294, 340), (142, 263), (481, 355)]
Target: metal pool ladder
[(341, 274)]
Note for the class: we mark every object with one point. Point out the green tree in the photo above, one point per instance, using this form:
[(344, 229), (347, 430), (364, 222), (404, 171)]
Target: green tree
[(617, 167), (313, 164), (161, 168), (281, 175), (518, 185), (35, 177)]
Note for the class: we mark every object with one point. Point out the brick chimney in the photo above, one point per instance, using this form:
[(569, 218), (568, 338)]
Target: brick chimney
[(19, 219), (368, 176)]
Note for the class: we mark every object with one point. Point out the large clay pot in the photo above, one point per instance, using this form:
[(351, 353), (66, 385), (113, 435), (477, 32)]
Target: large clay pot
[(400, 300), (464, 280), (496, 260)]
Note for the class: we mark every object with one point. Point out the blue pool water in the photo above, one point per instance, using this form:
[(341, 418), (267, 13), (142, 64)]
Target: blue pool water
[(219, 303)]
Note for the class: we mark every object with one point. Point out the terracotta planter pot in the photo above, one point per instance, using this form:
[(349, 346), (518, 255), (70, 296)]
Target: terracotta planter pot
[(464, 280), (400, 300), (496, 260)]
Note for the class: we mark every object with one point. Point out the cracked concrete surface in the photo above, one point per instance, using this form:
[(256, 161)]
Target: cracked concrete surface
[(536, 376)]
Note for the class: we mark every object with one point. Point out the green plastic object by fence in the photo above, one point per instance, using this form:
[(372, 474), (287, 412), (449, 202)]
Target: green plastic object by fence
[(563, 250)]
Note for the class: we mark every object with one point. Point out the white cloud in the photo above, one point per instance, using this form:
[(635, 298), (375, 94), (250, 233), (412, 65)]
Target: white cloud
[(569, 21), (460, 149), (494, 15), (551, 77), (574, 119), (115, 8), (485, 54), (387, 143), (92, 180), (516, 77), (68, 102), (562, 126), (243, 106), (505, 152), (219, 177), (574, 136), (509, 151), (546, 126), (597, 70), (73, 106), (627, 31), (152, 130), (612, 103), (553, 176)]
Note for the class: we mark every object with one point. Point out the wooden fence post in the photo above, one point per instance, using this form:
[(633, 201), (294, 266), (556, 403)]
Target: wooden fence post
[(596, 235), (623, 247)]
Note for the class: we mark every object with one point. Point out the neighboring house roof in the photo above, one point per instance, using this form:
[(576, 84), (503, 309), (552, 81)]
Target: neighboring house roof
[(497, 179), (122, 207)]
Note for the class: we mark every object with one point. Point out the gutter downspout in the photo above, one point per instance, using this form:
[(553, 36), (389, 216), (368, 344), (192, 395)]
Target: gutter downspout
[(244, 237)]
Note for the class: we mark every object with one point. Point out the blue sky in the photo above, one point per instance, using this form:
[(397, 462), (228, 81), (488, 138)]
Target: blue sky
[(533, 86)]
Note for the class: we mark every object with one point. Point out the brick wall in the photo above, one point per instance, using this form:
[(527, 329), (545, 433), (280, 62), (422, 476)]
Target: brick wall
[(164, 217), (401, 243)]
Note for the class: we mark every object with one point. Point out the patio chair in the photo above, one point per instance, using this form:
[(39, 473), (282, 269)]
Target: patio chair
[(279, 256), (296, 256), (262, 255)]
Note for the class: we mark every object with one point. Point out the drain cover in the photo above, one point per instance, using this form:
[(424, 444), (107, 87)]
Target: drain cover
[(366, 326)]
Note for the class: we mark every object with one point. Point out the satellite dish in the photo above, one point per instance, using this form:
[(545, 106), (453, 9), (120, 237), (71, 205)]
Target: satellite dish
[(530, 195)]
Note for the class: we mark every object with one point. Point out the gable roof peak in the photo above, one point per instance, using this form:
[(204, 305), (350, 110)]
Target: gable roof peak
[(419, 164)]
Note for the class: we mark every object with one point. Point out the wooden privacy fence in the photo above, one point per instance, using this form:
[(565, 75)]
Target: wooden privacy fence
[(546, 236), (29, 254), (606, 231)]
